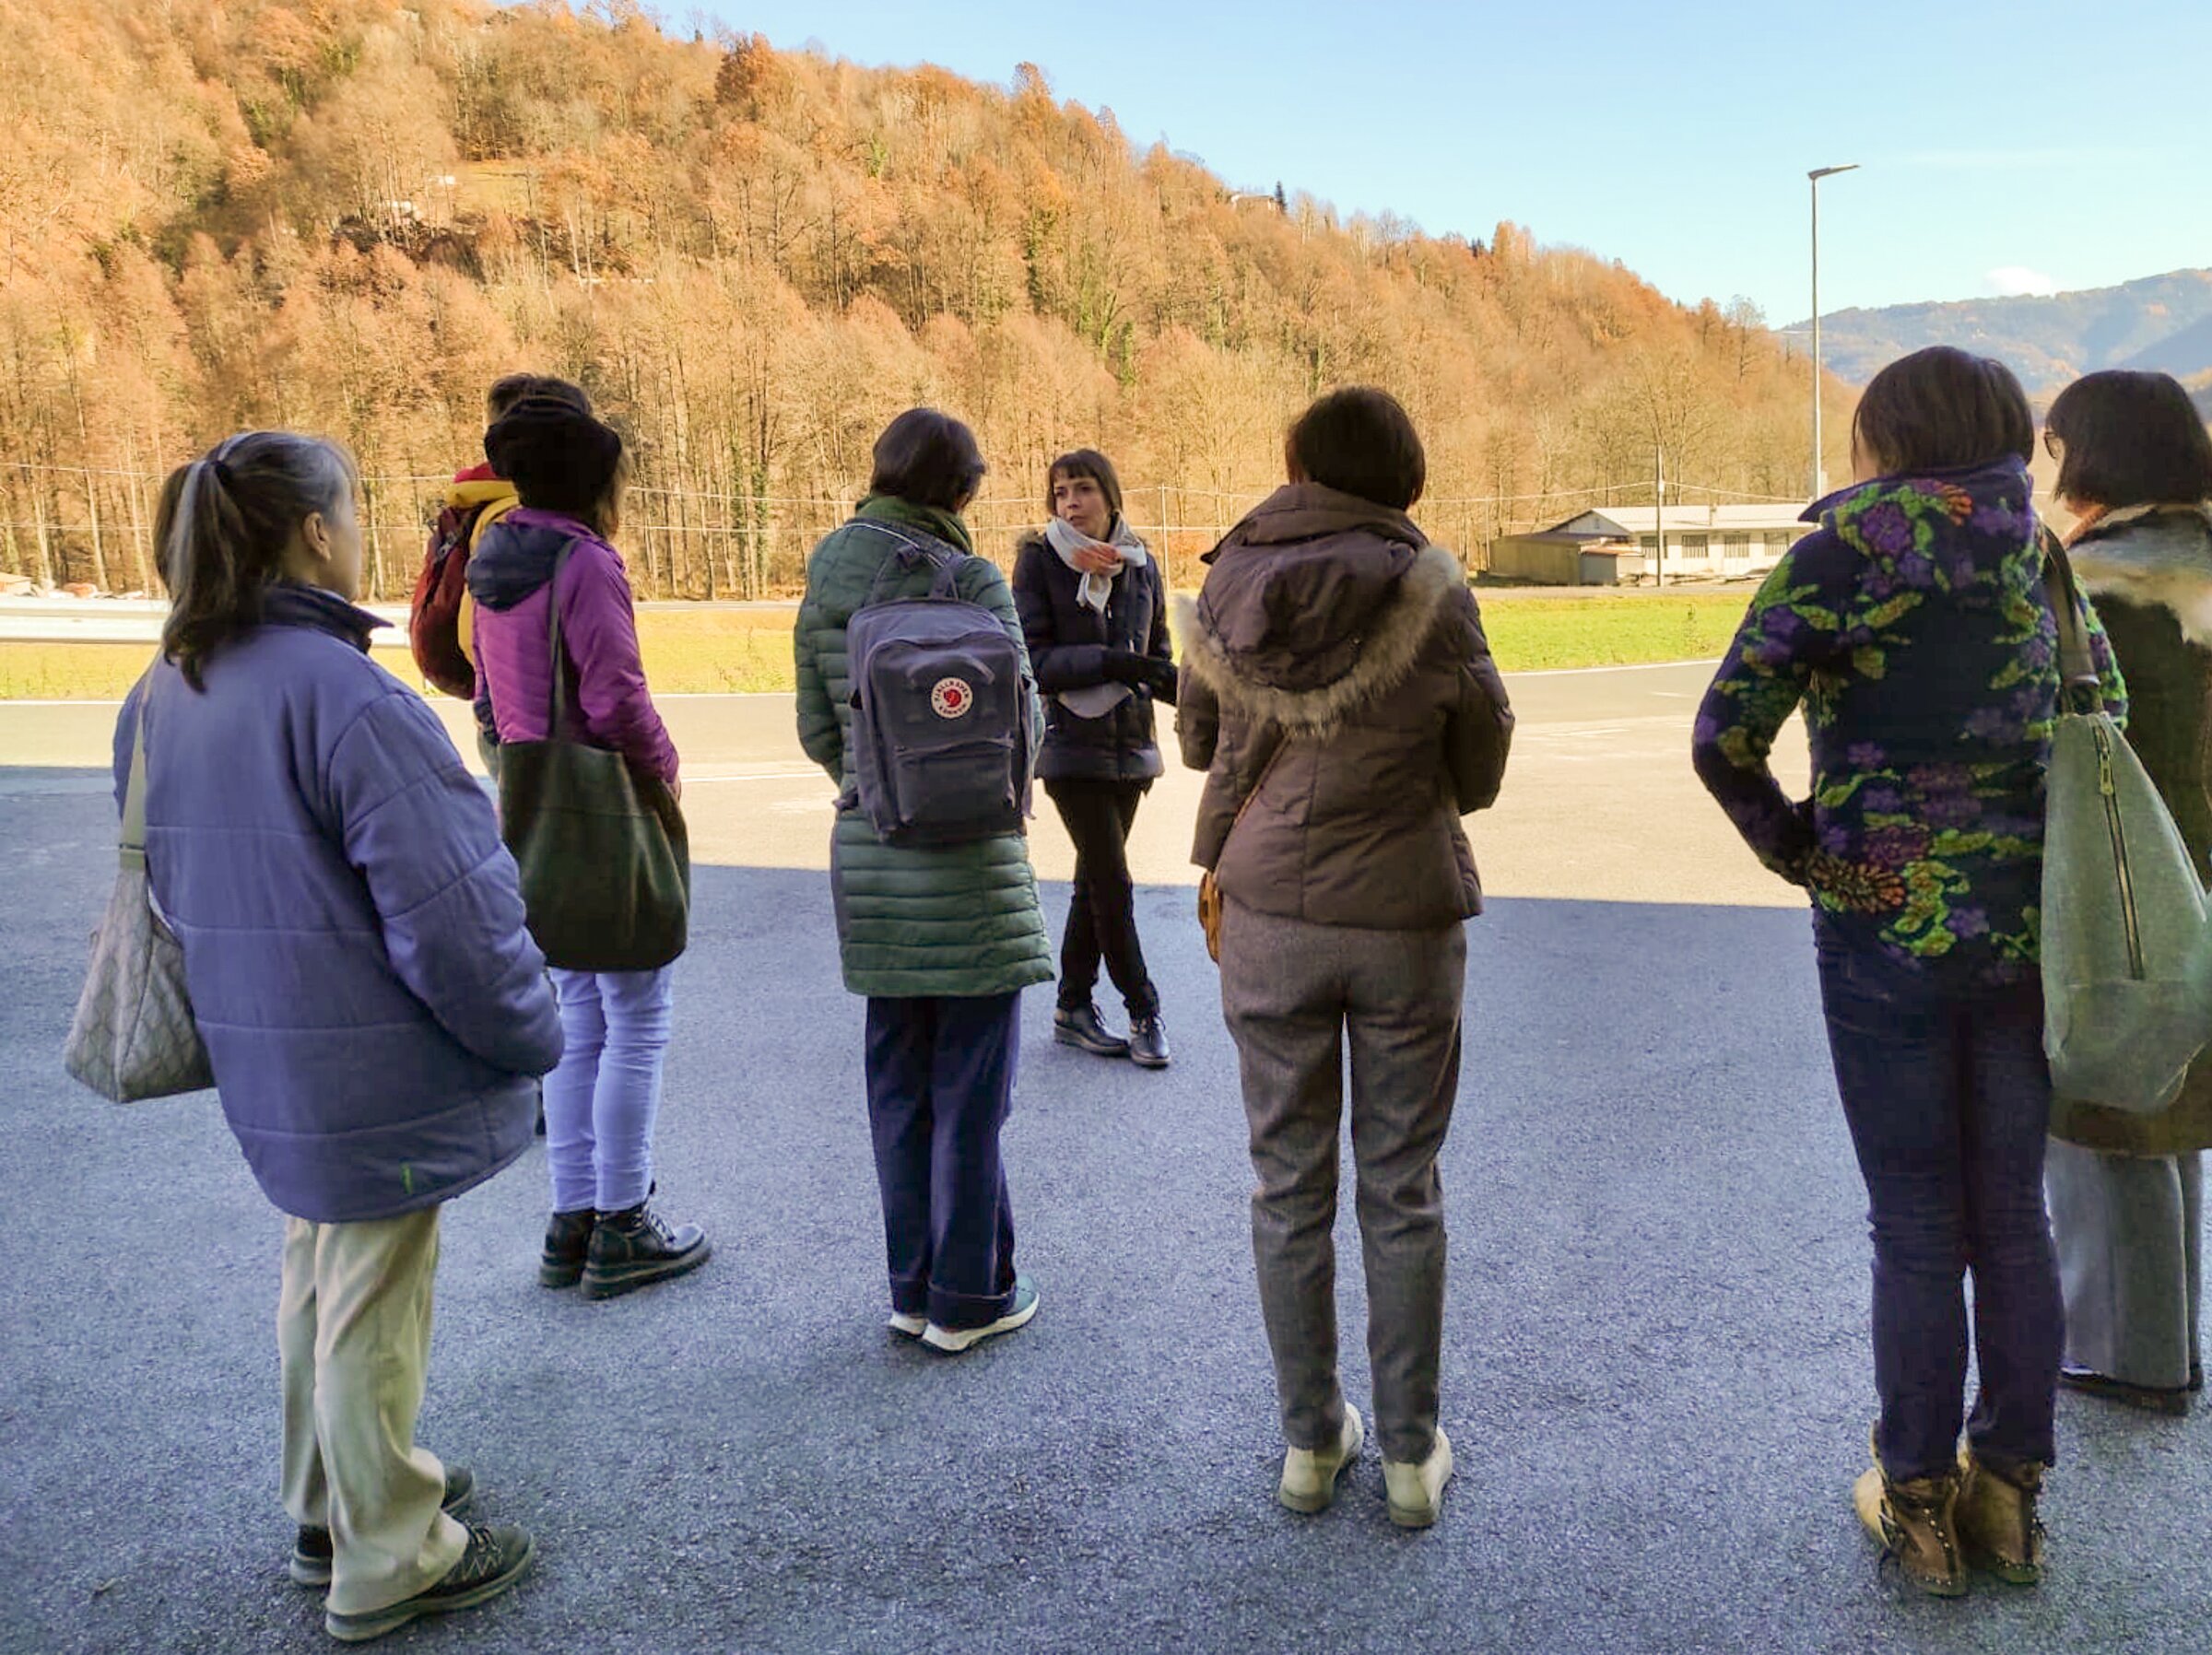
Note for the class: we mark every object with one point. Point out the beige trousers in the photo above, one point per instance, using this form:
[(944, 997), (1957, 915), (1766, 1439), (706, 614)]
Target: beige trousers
[(353, 1329)]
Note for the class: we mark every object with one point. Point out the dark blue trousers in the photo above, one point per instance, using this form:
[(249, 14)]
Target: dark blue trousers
[(940, 1085), (1948, 1098)]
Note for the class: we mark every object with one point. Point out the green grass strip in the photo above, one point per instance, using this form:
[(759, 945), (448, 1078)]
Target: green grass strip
[(735, 651)]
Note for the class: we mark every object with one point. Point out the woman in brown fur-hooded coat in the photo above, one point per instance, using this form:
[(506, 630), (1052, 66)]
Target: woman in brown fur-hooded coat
[(1339, 693)]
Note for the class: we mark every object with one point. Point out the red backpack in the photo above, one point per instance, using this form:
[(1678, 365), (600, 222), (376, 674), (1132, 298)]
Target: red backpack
[(434, 617)]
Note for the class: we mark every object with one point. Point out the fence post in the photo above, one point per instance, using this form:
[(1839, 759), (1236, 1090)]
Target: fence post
[(1167, 544), (99, 544), (38, 512)]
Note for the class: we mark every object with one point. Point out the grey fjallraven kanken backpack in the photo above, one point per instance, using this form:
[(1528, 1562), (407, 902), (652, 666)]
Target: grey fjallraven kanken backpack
[(941, 735)]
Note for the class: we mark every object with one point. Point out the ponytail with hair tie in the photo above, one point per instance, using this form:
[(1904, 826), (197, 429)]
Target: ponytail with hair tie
[(222, 547)]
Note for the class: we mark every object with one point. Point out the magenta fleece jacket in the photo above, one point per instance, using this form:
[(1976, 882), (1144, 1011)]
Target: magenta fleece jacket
[(610, 705)]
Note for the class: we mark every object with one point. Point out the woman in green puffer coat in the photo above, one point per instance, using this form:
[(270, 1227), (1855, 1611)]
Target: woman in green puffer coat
[(941, 940)]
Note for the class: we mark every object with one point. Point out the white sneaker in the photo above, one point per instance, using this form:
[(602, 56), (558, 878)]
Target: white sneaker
[(1310, 1476), (1416, 1492), (950, 1340), (910, 1326)]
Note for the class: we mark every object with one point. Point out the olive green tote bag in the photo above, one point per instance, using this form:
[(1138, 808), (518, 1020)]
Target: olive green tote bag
[(2127, 975), (604, 860)]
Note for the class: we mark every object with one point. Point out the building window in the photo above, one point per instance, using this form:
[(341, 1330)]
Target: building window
[(1736, 548), (1696, 546), (1647, 543)]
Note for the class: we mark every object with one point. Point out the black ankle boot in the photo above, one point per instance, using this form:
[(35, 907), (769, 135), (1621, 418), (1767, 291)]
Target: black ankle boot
[(632, 1247), (568, 1244), (1148, 1042), (1078, 1026)]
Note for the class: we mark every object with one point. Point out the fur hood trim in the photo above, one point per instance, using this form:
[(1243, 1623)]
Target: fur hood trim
[(1387, 656), (2164, 559)]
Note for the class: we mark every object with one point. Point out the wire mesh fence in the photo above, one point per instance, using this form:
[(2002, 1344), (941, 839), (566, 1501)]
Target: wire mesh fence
[(63, 527)]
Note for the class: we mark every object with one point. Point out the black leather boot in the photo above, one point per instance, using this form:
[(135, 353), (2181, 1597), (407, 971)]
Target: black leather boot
[(1080, 1028), (568, 1244), (633, 1248), (1148, 1042)]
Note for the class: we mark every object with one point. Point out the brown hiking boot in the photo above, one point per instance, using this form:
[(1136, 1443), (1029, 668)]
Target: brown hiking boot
[(1916, 1522), (1998, 1528)]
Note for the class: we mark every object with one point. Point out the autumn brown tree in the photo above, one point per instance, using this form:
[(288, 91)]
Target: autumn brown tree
[(350, 215)]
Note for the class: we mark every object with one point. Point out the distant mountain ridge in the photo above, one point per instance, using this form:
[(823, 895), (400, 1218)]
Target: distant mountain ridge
[(2160, 322)]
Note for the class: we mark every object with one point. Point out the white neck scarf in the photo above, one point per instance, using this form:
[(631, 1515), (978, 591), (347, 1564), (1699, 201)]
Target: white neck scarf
[(1094, 592), (1067, 540)]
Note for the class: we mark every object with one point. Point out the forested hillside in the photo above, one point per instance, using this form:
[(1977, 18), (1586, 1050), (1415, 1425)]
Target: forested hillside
[(351, 215)]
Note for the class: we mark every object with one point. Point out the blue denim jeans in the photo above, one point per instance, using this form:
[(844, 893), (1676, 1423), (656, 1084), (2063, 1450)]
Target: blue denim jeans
[(940, 1085), (1948, 1098), (603, 1099)]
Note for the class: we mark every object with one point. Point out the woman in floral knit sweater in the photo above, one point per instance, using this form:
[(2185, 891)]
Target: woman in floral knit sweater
[(1914, 631)]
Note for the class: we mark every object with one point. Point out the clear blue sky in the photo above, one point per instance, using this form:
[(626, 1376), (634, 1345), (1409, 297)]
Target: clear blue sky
[(2005, 144)]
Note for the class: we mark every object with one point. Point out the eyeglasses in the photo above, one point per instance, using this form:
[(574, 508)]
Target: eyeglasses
[(2050, 443)]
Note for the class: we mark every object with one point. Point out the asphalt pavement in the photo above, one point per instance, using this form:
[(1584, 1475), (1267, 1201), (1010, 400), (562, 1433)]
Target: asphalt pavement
[(1657, 1375)]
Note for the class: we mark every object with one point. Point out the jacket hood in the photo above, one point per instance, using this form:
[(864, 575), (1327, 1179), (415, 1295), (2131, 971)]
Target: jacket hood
[(946, 526), (469, 489), (517, 554), (1932, 527), (1294, 589), (1317, 604), (289, 603), (2161, 556), (2000, 488)]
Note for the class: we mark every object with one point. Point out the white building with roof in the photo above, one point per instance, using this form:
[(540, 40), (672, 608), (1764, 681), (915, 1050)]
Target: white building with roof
[(1618, 545)]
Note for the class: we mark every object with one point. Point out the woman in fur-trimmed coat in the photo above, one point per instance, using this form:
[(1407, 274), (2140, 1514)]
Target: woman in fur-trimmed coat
[(1339, 693), (2128, 1190)]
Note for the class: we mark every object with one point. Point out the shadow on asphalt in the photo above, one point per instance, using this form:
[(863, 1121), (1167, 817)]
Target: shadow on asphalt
[(1656, 1380)]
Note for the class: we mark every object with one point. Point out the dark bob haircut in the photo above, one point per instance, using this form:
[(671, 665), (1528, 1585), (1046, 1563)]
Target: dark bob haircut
[(1084, 463), (2131, 440), (1358, 439), (928, 459), (1941, 409)]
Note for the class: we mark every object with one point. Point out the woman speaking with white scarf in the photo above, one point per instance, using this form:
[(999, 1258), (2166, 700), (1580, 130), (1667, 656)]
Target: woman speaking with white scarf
[(1094, 610)]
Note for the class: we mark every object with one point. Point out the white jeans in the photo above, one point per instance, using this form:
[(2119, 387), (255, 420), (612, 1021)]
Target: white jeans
[(601, 1102)]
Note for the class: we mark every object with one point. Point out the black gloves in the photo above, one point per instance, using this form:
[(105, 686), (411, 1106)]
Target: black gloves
[(1123, 667), (1143, 672)]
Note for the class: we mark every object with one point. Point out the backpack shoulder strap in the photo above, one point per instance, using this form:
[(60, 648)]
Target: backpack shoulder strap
[(915, 550)]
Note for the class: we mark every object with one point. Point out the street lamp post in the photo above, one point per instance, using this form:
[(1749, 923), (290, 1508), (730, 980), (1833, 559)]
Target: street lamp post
[(1817, 174)]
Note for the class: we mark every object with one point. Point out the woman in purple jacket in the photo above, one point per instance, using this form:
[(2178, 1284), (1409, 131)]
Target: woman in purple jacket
[(569, 472), (373, 1007)]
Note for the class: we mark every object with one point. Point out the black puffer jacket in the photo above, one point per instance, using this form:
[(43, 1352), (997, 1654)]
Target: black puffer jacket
[(1072, 646)]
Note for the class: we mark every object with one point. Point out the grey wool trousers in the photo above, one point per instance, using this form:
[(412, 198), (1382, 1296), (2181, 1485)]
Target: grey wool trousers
[(1294, 995), (2129, 1231)]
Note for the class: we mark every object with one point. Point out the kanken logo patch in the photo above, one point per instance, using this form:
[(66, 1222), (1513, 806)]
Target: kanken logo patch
[(952, 699)]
